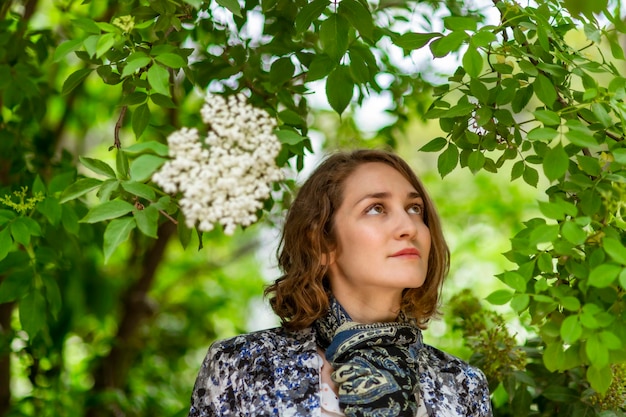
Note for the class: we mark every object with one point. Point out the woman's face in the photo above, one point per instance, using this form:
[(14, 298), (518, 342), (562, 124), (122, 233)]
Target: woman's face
[(382, 242)]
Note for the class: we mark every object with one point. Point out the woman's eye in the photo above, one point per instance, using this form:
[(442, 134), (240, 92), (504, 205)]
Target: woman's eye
[(375, 209), (416, 209)]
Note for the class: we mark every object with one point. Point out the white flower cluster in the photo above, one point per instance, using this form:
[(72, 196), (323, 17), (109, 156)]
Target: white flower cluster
[(225, 177)]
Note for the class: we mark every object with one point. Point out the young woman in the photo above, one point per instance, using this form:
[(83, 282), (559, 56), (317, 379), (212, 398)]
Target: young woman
[(363, 259)]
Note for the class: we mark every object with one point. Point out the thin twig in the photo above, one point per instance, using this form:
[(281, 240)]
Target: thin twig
[(118, 125)]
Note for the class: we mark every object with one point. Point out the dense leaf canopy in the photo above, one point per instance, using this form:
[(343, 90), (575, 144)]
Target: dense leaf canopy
[(107, 309)]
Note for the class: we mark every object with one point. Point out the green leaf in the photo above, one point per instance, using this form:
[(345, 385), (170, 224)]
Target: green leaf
[(15, 286), (448, 160), (151, 146), (50, 208), (171, 60), (597, 352), (140, 120), (53, 294), (97, 166), (573, 233), (580, 134), (159, 79), (88, 25), (184, 232), (320, 67), (65, 48), (334, 36), (289, 137), (144, 166), (90, 44), (107, 188), (530, 175), (358, 16), (147, 221), (461, 109), (162, 101), (139, 189), (281, 71), (600, 378), (604, 275), (519, 302), (581, 139), (571, 330), (20, 231), (570, 303), (544, 90), (589, 165), (104, 44), (517, 170), (137, 97), (134, 62), (553, 357), (79, 188), (483, 38), (500, 297), (450, 43), (473, 62), (476, 161), (555, 163), (615, 250), (70, 220), (619, 155), (32, 313), (561, 394), (551, 210), (310, 12), (548, 117), (121, 163), (434, 145), (460, 23), (232, 5), (610, 340), (410, 41), (601, 114), (107, 210), (6, 245), (339, 88), (528, 67), (75, 79), (116, 233), (515, 281), (544, 233), (358, 67)]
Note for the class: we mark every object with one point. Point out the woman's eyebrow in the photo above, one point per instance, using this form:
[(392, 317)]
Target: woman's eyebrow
[(413, 195)]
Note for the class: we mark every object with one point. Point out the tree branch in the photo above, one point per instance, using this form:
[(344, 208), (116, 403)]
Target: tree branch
[(118, 125)]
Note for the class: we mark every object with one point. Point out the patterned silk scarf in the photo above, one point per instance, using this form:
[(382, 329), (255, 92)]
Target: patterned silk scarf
[(375, 364)]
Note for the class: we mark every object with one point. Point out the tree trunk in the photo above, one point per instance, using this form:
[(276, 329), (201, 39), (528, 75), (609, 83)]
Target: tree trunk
[(6, 311), (112, 370)]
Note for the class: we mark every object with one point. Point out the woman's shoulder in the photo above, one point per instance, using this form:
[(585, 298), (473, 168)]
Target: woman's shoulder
[(279, 340), (451, 386), (439, 362)]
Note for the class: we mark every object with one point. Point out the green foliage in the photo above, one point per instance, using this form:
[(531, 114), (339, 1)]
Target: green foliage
[(529, 100), (568, 281)]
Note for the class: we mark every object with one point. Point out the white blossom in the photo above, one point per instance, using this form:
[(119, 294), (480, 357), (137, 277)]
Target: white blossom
[(225, 176)]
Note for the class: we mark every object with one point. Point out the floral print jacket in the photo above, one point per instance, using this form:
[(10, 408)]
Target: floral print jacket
[(275, 372)]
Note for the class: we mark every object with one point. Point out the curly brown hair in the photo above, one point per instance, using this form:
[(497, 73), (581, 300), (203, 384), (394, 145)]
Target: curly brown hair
[(300, 295)]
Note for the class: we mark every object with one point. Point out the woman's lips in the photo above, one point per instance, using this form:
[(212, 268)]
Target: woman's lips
[(408, 253)]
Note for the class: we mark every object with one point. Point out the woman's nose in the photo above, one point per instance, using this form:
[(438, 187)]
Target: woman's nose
[(406, 227)]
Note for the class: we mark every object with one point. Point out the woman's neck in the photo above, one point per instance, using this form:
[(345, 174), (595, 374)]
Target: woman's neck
[(374, 309)]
